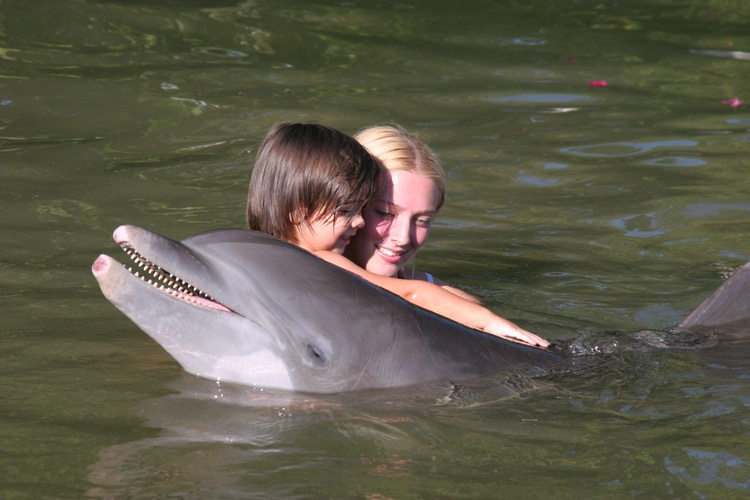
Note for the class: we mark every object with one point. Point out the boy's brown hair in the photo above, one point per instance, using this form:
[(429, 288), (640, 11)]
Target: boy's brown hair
[(304, 172)]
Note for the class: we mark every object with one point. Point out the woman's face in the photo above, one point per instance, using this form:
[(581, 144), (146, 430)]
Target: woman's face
[(396, 224)]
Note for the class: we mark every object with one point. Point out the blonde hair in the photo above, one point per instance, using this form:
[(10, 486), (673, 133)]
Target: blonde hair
[(397, 149)]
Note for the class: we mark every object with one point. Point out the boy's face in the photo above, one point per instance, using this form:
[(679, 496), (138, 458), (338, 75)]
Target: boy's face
[(330, 232)]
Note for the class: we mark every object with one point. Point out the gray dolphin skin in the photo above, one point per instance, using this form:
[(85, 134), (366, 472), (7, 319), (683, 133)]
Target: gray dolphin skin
[(244, 307), (264, 313), (726, 312)]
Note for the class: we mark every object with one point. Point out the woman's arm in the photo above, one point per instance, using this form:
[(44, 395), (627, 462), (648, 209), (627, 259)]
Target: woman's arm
[(457, 291), (452, 289), (410, 273), (440, 301)]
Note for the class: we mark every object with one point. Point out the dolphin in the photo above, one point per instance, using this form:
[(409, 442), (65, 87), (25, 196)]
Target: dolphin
[(244, 307), (247, 308)]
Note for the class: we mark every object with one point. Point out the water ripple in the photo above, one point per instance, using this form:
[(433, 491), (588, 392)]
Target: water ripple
[(711, 209), (618, 149), (676, 161), (538, 98)]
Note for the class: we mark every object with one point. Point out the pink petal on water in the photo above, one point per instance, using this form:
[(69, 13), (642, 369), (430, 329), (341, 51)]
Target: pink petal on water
[(734, 102), (598, 83)]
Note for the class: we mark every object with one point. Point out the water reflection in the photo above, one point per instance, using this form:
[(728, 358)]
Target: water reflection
[(676, 161), (641, 225), (539, 98), (618, 149), (707, 467), (733, 54), (216, 438), (713, 209)]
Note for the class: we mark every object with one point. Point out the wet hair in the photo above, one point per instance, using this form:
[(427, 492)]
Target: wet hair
[(397, 149), (305, 172)]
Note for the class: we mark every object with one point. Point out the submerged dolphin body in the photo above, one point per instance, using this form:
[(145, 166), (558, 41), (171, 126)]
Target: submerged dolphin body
[(257, 311)]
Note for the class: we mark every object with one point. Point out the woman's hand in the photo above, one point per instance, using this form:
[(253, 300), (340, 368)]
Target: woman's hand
[(507, 330)]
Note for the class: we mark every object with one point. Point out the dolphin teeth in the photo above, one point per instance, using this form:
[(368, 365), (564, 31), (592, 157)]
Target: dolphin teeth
[(163, 279)]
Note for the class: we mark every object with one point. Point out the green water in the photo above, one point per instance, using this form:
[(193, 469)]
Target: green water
[(572, 210)]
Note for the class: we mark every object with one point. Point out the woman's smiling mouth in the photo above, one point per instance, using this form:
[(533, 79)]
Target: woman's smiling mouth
[(392, 256)]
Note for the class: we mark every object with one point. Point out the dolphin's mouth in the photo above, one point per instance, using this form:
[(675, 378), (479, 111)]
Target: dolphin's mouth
[(168, 283)]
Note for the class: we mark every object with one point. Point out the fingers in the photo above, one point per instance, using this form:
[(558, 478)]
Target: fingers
[(528, 338), (510, 331)]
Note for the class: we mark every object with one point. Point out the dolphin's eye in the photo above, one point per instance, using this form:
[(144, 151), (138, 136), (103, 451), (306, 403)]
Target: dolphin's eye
[(316, 355)]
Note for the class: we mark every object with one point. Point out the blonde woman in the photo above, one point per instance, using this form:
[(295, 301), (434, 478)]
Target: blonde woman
[(399, 220)]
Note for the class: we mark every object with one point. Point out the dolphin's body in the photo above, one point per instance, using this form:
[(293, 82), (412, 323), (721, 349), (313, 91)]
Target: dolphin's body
[(279, 317)]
